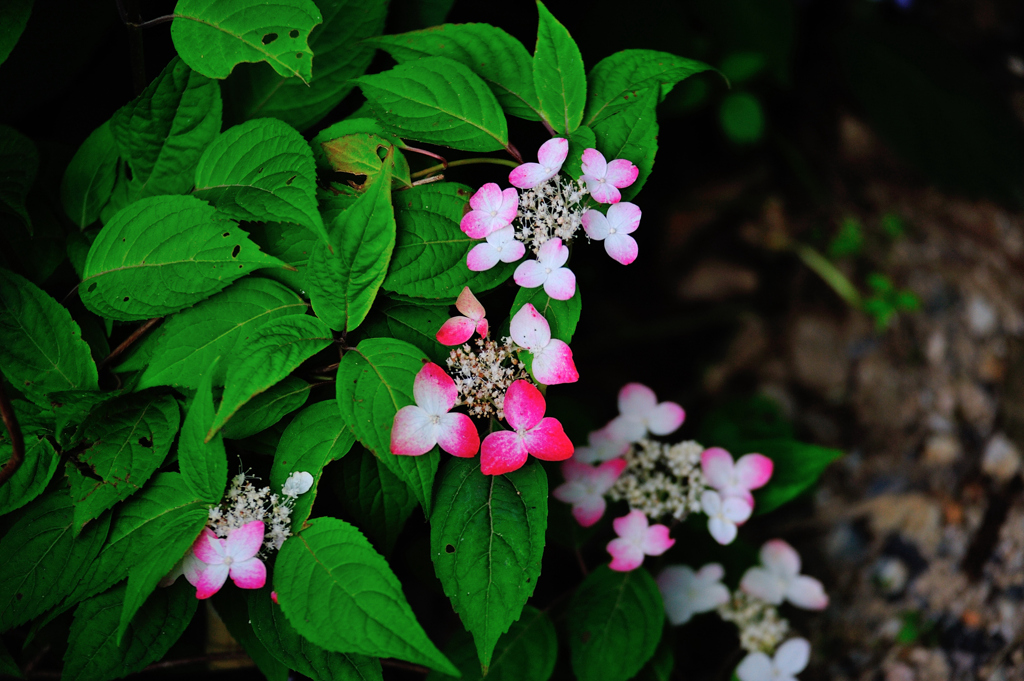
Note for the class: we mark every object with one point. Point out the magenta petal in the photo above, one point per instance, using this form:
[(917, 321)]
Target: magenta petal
[(609, 471), (524, 405), (482, 257), (593, 163), (434, 390), (249, 574), (209, 548), (560, 284), (210, 580), (458, 436), (622, 248), (244, 542), (502, 452), (529, 175), (754, 470), (553, 365), (530, 274), (529, 329), (413, 432), (477, 224), (595, 224), (481, 327), (665, 418), (637, 399), (553, 152), (626, 555), (657, 541), (590, 511), (632, 526), (456, 331), (548, 441), (621, 173)]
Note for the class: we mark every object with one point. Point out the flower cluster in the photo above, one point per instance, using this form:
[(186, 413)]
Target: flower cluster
[(662, 480), (483, 375)]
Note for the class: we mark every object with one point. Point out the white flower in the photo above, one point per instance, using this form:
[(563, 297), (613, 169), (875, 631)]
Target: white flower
[(724, 515), (687, 593), (790, 659), (297, 483), (780, 579)]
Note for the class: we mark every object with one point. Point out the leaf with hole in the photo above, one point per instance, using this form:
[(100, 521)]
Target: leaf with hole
[(89, 178), (558, 74), (373, 497)]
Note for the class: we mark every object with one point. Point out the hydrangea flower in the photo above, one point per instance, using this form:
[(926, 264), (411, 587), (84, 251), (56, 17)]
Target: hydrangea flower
[(601, 446), (687, 593), (217, 558), (584, 488), (547, 270), (724, 515), (417, 428), (735, 480), (459, 329), (604, 180), (501, 245), (504, 451), (636, 539), (790, 659), (493, 209), (615, 229), (551, 156), (779, 579), (640, 413), (552, 358), (297, 483)]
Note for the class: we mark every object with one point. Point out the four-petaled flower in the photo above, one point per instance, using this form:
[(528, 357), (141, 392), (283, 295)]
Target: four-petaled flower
[(604, 180), (640, 412), (585, 486), (504, 451), (297, 483), (500, 245), (636, 539), (601, 446), (735, 480), (790, 659), (615, 229), (687, 593), (459, 329), (417, 428), (559, 282), (493, 209), (724, 515), (779, 579), (551, 156), (236, 556), (552, 358)]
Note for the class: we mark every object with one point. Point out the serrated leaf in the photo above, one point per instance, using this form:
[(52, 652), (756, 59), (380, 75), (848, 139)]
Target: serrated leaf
[(233, 607), (312, 440), (373, 497), (374, 381), (631, 133), (341, 594), (487, 541), (261, 171), (89, 178), (213, 36), (358, 154), (204, 465), (615, 621), (163, 254), (267, 408), (291, 244), (797, 466), (71, 408), (345, 128), (558, 74), (561, 315), (13, 18), (581, 139), (35, 472), (414, 324), (41, 347), (19, 162), (438, 100)]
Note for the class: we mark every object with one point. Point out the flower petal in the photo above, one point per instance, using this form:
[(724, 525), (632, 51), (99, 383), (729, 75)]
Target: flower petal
[(210, 579), (249, 574), (780, 558), (244, 542), (736, 509), (710, 502), (456, 331), (553, 365), (603, 192), (468, 305), (755, 667), (458, 436), (560, 284), (529, 329), (762, 584), (594, 163), (717, 466), (477, 224), (413, 432), (753, 470), (209, 548), (524, 405), (636, 398), (529, 175), (792, 656), (657, 541), (808, 593), (595, 224), (191, 567), (530, 274), (626, 555), (632, 526), (621, 173), (607, 473), (502, 452), (624, 217), (589, 511), (482, 257), (547, 441), (509, 205), (553, 253), (553, 152), (434, 390), (487, 198), (675, 583), (627, 428), (721, 530), (622, 248), (512, 251), (665, 418), (481, 327)]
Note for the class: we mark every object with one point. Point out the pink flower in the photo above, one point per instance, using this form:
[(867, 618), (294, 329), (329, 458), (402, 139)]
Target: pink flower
[(615, 229), (604, 180), (458, 330), (601, 446), (504, 451), (636, 540), (735, 480), (780, 579), (724, 515), (687, 593), (584, 488), (235, 556), (500, 245), (790, 659), (551, 156), (559, 282), (552, 358), (493, 209), (417, 428), (640, 412)]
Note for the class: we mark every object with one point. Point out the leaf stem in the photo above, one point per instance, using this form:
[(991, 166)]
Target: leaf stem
[(136, 334), (465, 162), (132, 20), (404, 665), (827, 271), (17, 441)]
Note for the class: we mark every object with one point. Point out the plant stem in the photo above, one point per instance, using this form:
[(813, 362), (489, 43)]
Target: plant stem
[(465, 162), (132, 19), (14, 432), (827, 271), (136, 334), (404, 665)]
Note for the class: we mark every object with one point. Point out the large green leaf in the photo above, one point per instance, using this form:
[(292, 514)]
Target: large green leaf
[(341, 594), (631, 132), (41, 347), (233, 607), (19, 162), (373, 497), (13, 18), (797, 467), (438, 100), (204, 465), (267, 408), (212, 36), (89, 178), (487, 541), (561, 315), (292, 244), (32, 476), (558, 74), (415, 324), (163, 254)]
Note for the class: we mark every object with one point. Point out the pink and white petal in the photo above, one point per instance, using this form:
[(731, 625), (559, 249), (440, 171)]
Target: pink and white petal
[(509, 205), (712, 572), (722, 530), (754, 470), (244, 542), (502, 452), (607, 473), (622, 248), (273, 597), (458, 436), (621, 173), (739, 493), (553, 152), (487, 198), (210, 580), (636, 399), (483, 257), (595, 224), (548, 441), (736, 509), (572, 491), (249, 574), (717, 466), (481, 327), (468, 305), (413, 432), (607, 445), (780, 558), (560, 284), (675, 583), (627, 428), (191, 567), (524, 405), (456, 331), (529, 175), (626, 555), (632, 526), (209, 548), (529, 329), (594, 163), (553, 253), (530, 274), (665, 418), (512, 251), (624, 217), (603, 192), (710, 597), (589, 511), (710, 502), (657, 540), (477, 224), (807, 592), (434, 390), (762, 584), (553, 365), (792, 656), (755, 667)]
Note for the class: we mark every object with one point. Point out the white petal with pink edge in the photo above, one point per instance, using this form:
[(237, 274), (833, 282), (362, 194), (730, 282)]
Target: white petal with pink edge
[(524, 405), (457, 435), (553, 152), (626, 555), (249, 574), (468, 305), (530, 274), (529, 329), (209, 548), (560, 284), (807, 592), (622, 248), (434, 390), (244, 542), (414, 432), (553, 364), (456, 331), (621, 173), (502, 452), (210, 579), (657, 540), (753, 471)]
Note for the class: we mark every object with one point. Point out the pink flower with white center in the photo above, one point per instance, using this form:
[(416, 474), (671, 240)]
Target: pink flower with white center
[(604, 180), (585, 486), (547, 271), (504, 451), (735, 480), (779, 579), (459, 329), (217, 558), (417, 428), (551, 156), (493, 209), (640, 413), (601, 446), (790, 659), (501, 245), (724, 515), (552, 358), (615, 229), (636, 540), (687, 593)]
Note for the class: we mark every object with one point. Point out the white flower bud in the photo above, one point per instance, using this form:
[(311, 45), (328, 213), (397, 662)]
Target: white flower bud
[(297, 483)]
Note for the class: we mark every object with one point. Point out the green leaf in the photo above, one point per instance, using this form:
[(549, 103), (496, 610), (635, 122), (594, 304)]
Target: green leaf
[(162, 133), (13, 18), (312, 440), (561, 315), (32, 476), (204, 465), (189, 341), (163, 254), (659, 667), (257, 91), (341, 594), (233, 607), (487, 541), (430, 253), (41, 347), (438, 100), (374, 381), (89, 178), (93, 653), (797, 467), (414, 324), (742, 117), (344, 128), (19, 162), (292, 244), (490, 52), (131, 438), (373, 497), (631, 133), (267, 408), (614, 621), (71, 409), (358, 154), (212, 36), (261, 171), (558, 74), (581, 139)]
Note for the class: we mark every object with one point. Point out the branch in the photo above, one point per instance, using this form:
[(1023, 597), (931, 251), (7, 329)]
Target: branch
[(127, 343), (404, 665), (14, 432)]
